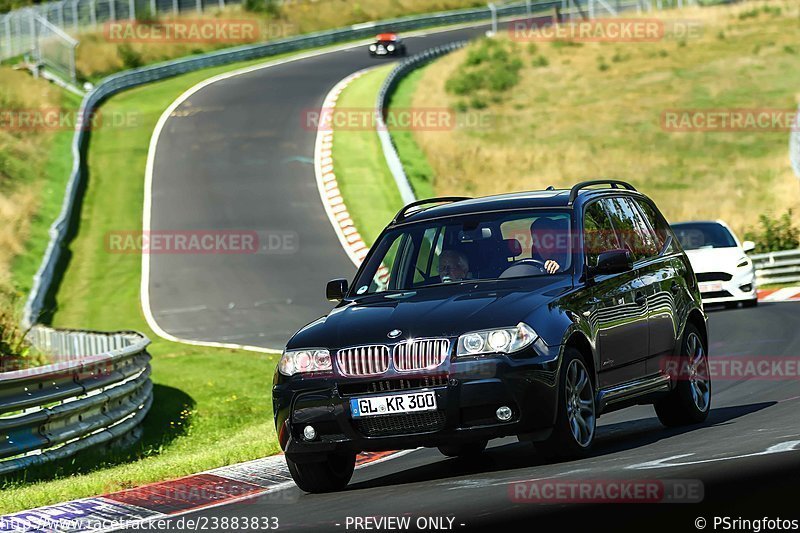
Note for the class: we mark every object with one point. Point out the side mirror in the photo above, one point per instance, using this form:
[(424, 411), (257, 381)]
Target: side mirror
[(748, 246), (336, 289), (612, 262)]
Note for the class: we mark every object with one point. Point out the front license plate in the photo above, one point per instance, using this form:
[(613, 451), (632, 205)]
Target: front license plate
[(710, 287), (390, 405)]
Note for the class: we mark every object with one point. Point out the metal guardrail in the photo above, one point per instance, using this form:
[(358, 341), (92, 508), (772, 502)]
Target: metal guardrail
[(98, 389), (132, 78), (777, 267), (403, 69)]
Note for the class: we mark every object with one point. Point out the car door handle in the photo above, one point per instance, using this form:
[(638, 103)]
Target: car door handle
[(640, 299)]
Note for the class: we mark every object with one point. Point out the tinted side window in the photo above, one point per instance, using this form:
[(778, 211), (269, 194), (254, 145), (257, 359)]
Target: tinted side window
[(657, 223), (631, 227), (598, 233)]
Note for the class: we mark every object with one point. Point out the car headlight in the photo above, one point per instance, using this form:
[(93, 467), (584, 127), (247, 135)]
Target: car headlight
[(504, 340), (390, 48), (743, 262), (372, 48), (304, 361)]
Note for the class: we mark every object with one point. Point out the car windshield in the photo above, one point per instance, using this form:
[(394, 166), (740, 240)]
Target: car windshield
[(703, 235), (478, 247)]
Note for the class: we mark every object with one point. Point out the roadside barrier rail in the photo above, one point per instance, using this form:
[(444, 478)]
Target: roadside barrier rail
[(97, 389), (777, 267)]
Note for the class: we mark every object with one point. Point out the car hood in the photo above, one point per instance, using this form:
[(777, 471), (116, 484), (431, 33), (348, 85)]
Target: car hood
[(715, 259), (445, 311)]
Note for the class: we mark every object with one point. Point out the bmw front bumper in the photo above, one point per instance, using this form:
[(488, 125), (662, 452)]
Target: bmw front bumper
[(468, 393)]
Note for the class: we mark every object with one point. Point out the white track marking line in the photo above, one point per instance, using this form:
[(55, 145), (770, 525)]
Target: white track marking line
[(788, 446)]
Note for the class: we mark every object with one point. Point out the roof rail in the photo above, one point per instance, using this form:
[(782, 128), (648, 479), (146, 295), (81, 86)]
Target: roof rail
[(440, 200), (615, 184)]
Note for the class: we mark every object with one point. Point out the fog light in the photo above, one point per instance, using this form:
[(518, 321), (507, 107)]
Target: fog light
[(309, 433), (503, 413)]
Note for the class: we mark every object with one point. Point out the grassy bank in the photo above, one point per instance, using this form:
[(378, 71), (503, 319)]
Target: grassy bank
[(365, 181), (578, 110), (212, 406), (35, 132)]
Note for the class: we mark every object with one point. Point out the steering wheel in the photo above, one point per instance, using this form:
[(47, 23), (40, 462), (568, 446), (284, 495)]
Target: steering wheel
[(532, 262)]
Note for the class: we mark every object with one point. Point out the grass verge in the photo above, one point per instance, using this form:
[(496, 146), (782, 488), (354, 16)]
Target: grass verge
[(418, 170), (583, 110), (365, 181), (212, 407)]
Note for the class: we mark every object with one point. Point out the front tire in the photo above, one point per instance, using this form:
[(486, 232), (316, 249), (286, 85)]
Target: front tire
[(576, 420), (469, 449), (750, 303), (690, 401), (331, 473)]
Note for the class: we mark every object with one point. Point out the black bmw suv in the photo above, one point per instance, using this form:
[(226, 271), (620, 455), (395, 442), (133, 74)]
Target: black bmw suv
[(526, 314)]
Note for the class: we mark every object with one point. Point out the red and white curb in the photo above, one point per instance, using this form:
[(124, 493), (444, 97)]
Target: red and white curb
[(328, 186), (787, 294), (329, 192), (253, 480)]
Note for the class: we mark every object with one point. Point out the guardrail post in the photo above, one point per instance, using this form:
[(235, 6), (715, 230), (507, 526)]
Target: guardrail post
[(175, 8), (493, 9), (199, 6), (7, 41), (75, 25), (794, 144), (132, 9), (112, 10)]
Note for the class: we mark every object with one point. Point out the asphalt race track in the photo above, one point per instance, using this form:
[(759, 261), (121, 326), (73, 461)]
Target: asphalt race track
[(236, 156), (728, 455)]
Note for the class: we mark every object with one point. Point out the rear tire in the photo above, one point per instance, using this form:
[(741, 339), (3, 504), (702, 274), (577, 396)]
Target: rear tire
[(330, 474), (469, 449), (576, 420), (690, 401)]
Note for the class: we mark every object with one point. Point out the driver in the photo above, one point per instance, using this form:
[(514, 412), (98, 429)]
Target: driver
[(548, 246), (453, 266)]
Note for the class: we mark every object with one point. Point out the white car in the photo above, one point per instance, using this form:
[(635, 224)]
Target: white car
[(724, 272)]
